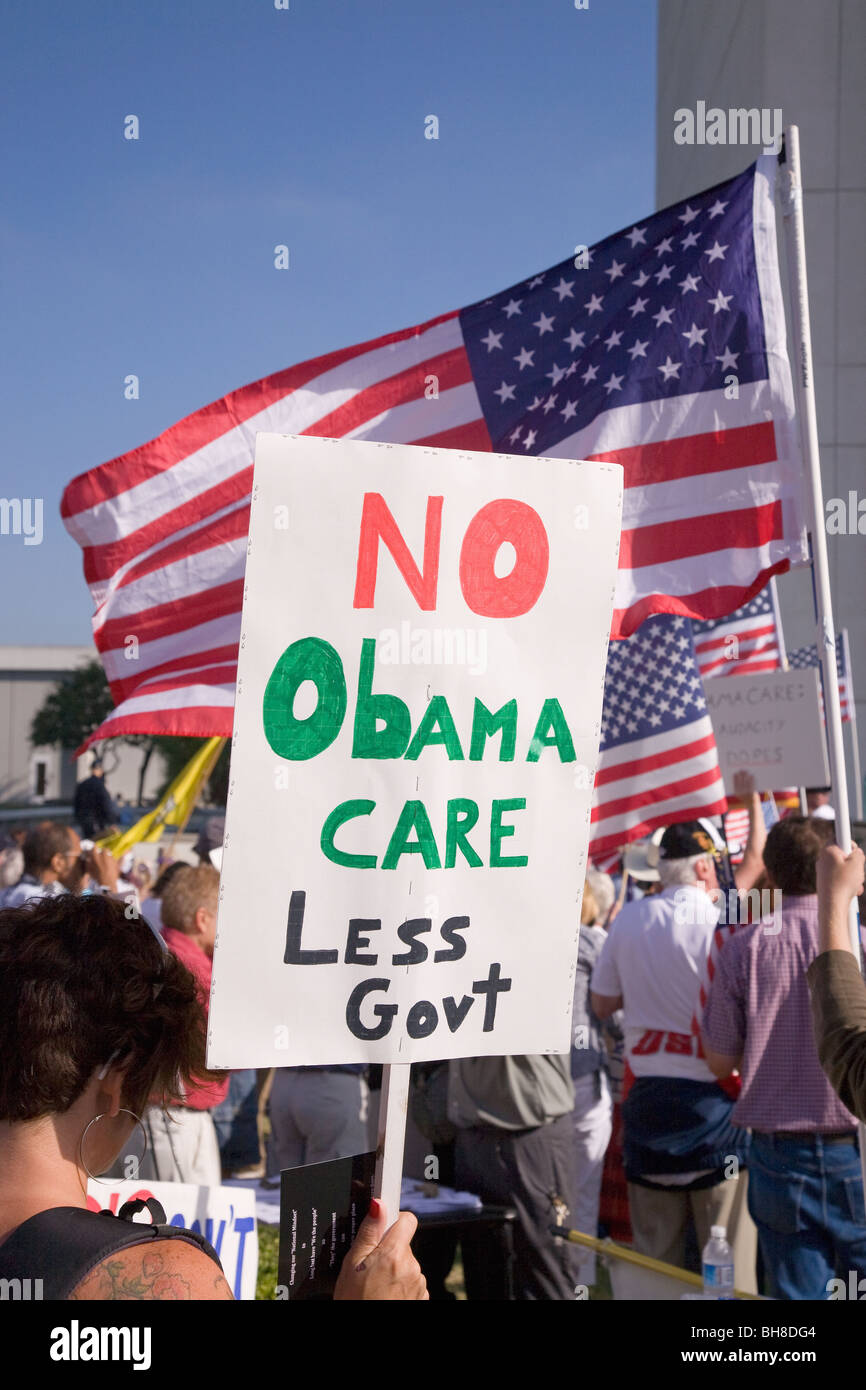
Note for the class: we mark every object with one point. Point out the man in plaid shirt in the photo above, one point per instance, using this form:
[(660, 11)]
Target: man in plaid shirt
[(805, 1188)]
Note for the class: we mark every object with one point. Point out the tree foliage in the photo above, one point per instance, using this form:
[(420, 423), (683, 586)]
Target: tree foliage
[(79, 703), (74, 708)]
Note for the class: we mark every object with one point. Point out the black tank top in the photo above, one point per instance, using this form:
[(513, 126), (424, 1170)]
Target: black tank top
[(61, 1246)]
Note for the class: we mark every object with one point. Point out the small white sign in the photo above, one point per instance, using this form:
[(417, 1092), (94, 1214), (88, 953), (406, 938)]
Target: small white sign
[(769, 725), (416, 734), (226, 1216)]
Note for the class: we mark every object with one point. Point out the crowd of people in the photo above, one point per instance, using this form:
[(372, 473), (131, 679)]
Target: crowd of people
[(716, 1077)]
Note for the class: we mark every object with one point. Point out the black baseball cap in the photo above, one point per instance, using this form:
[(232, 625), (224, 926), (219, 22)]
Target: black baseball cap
[(685, 839)]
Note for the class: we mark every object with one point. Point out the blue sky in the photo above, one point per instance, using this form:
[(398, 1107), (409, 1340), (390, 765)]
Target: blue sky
[(257, 127)]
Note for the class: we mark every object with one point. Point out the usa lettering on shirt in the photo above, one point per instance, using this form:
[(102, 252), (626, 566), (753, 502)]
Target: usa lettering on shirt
[(654, 957)]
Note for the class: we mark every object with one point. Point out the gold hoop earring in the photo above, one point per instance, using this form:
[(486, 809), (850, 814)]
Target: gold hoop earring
[(104, 1115)]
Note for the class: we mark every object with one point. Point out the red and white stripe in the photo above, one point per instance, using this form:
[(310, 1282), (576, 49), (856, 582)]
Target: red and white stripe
[(707, 506), (844, 704), (737, 830), (757, 648), (654, 781), (607, 863)]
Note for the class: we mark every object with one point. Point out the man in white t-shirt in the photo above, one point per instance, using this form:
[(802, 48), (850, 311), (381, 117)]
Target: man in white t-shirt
[(682, 1153)]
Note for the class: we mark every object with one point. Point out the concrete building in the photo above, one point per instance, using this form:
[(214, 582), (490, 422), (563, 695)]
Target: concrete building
[(807, 59), (32, 776)]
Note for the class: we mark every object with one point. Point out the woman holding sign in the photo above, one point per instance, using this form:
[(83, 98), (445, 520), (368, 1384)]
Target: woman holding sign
[(96, 1019)]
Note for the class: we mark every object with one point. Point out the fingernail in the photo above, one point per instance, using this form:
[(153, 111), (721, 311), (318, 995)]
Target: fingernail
[(375, 1209)]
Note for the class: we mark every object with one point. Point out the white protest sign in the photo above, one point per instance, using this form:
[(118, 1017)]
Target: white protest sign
[(416, 734), (226, 1216), (769, 725)]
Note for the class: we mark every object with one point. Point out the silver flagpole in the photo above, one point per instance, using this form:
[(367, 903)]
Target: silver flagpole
[(804, 386), (777, 619)]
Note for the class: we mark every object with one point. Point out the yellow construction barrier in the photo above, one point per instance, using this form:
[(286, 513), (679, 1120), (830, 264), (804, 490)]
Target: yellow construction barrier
[(645, 1277)]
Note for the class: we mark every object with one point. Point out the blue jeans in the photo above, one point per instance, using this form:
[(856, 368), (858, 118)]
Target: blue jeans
[(806, 1199), (236, 1122)]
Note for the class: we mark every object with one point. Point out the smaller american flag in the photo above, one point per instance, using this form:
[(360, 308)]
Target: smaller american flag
[(658, 761), (804, 658), (741, 644), (737, 824)]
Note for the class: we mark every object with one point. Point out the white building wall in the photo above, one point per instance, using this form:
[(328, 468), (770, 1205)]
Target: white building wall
[(27, 676), (809, 59)]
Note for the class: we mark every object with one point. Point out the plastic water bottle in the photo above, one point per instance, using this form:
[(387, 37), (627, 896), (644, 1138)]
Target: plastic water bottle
[(718, 1265)]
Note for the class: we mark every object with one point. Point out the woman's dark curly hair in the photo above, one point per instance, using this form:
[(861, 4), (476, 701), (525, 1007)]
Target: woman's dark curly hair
[(80, 981)]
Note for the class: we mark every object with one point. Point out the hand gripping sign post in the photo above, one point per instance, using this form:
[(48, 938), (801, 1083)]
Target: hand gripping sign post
[(416, 735)]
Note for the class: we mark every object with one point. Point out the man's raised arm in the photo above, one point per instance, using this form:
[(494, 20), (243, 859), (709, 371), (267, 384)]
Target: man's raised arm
[(837, 986)]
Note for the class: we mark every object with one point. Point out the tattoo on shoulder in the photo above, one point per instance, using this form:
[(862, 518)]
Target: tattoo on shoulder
[(128, 1277)]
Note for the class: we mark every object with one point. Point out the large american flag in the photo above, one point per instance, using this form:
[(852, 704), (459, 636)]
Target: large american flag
[(804, 658), (741, 644), (665, 354), (658, 761)]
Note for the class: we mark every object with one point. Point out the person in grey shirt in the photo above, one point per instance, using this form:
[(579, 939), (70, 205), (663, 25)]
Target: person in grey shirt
[(593, 1103), (515, 1147)]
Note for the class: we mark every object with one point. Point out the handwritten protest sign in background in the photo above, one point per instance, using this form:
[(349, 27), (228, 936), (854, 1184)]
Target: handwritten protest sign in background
[(226, 1216), (416, 734), (769, 725)]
